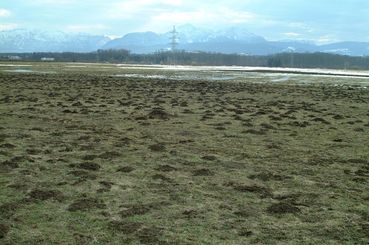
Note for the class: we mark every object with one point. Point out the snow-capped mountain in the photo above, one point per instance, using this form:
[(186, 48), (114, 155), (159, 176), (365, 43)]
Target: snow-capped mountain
[(190, 38), (226, 40), (22, 40)]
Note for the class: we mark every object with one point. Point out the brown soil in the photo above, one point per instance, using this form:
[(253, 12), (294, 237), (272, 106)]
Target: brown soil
[(157, 147), (109, 155), (161, 177), (89, 157), (126, 227), (283, 208), (166, 168), (261, 190), (86, 204), (8, 209), (209, 158), (10, 164), (202, 172), (246, 212), (269, 176), (125, 169), (159, 113), (254, 131), (245, 233), (190, 213), (84, 175), (43, 195), (132, 210), (4, 229), (81, 239), (7, 146), (89, 166), (149, 235)]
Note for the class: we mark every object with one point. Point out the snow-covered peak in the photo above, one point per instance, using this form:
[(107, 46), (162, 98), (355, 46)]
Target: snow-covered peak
[(24, 40)]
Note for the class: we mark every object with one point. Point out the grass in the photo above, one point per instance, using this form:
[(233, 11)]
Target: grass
[(90, 158)]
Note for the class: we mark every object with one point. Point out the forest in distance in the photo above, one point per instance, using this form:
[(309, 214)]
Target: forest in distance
[(293, 60)]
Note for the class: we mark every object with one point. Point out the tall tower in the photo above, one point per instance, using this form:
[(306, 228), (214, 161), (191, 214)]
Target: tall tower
[(173, 44), (174, 39)]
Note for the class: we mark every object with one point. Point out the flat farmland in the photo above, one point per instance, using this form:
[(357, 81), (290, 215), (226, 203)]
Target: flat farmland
[(103, 154)]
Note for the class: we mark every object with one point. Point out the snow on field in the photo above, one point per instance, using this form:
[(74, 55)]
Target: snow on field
[(29, 71), (328, 72), (13, 65), (142, 76), (75, 66)]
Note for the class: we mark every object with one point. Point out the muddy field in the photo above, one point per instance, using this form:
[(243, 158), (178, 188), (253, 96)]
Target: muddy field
[(102, 159)]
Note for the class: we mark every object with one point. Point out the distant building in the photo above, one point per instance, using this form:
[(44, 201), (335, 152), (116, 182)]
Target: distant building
[(47, 59), (14, 57)]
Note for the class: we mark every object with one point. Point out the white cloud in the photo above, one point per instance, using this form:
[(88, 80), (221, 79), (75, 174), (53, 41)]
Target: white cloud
[(52, 2), (326, 39), (301, 26), (175, 10), (211, 18), (292, 34), (86, 28), (10, 26), (4, 13)]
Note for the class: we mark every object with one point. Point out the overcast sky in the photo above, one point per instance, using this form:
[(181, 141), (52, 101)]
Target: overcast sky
[(319, 20)]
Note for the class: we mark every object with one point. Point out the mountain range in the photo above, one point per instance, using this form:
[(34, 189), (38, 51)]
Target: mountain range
[(190, 38), (22, 40)]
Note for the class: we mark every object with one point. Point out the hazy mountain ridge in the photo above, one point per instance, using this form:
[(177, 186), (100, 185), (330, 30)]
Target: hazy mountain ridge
[(190, 38), (22, 40), (229, 40)]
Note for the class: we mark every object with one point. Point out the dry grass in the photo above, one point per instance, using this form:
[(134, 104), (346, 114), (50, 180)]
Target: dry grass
[(95, 159)]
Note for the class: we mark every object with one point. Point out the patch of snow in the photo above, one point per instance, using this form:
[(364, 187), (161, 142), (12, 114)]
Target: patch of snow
[(14, 65)]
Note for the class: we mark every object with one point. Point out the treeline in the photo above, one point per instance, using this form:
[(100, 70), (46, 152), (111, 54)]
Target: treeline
[(294, 60)]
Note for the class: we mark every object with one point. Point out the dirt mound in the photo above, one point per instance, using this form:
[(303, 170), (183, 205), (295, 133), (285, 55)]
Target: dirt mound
[(9, 164), (89, 166), (283, 208), (166, 168), (209, 158), (89, 157), (86, 204), (125, 141), (202, 172), (254, 131), (159, 113), (269, 176), (246, 212), (8, 209), (157, 147), (109, 155), (162, 178), (4, 229), (125, 169), (245, 233), (84, 175), (44, 195), (190, 213), (82, 239), (132, 210), (144, 234), (7, 146), (107, 184), (261, 190), (126, 227), (150, 235)]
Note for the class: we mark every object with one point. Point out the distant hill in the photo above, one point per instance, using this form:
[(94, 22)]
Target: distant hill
[(227, 40), (22, 40)]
